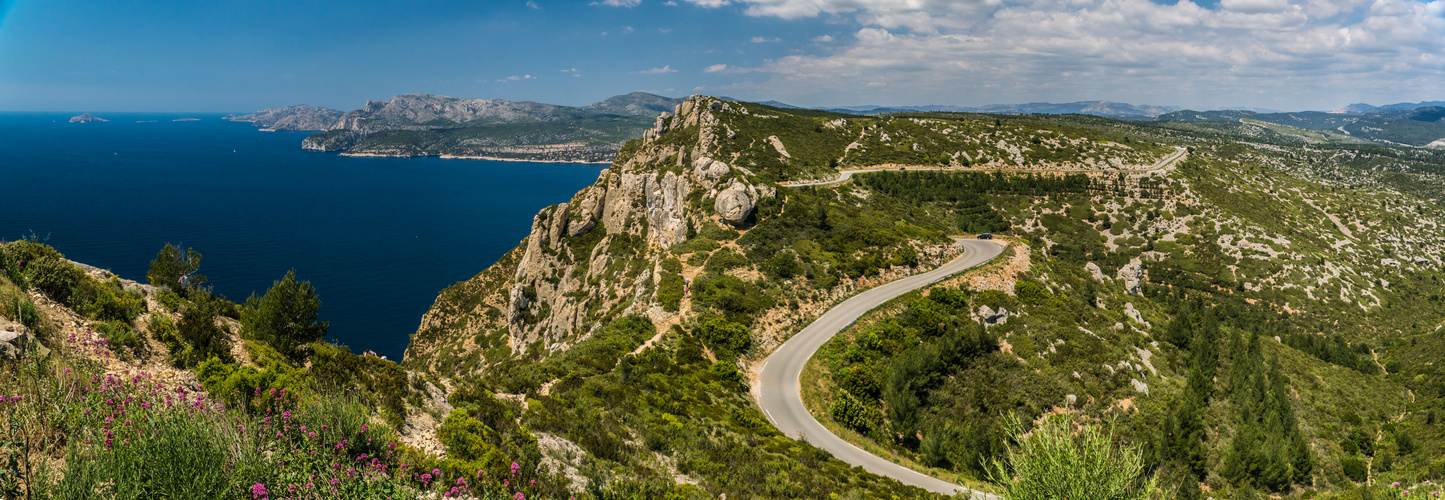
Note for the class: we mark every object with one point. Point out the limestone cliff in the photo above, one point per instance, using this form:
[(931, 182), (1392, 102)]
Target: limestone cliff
[(596, 256)]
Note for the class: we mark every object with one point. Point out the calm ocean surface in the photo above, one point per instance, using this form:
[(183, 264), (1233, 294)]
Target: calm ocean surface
[(378, 237)]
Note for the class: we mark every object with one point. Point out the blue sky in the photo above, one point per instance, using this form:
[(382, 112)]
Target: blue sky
[(84, 55)]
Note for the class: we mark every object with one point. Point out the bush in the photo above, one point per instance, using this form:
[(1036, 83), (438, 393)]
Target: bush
[(1056, 462), (1354, 468), (1031, 292), (175, 270), (724, 260), (853, 413), (285, 317), (670, 290), (203, 339), (122, 339), (727, 339)]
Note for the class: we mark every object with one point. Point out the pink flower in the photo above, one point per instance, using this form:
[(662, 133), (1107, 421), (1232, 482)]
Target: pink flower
[(258, 491), (519, 496), (426, 479)]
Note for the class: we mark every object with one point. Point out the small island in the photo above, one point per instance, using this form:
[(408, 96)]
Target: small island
[(86, 118), (186, 120)]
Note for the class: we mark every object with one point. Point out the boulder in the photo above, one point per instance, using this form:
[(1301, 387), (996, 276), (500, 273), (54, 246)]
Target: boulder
[(1140, 386), (1134, 314), (991, 317), (13, 339), (736, 203), (710, 169), (1132, 274), (1094, 271)]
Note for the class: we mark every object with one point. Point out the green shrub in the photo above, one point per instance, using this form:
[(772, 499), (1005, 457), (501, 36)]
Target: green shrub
[(175, 270), (165, 331), (1056, 462), (1031, 292), (853, 412), (670, 290), (727, 339), (724, 260), (1354, 468), (171, 301), (120, 336), (694, 246), (203, 339), (285, 317), (697, 259)]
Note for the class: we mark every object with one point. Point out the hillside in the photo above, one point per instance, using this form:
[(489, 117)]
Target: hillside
[(430, 125), (1418, 126), (1260, 318), (1118, 288), (291, 118)]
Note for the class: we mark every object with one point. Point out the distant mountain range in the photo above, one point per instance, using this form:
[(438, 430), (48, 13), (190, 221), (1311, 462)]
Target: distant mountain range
[(433, 125)]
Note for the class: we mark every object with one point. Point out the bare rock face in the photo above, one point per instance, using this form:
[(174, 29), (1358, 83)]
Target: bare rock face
[(1132, 274), (666, 209), (736, 203), (1094, 271), (13, 338), (558, 226), (583, 214), (709, 169)]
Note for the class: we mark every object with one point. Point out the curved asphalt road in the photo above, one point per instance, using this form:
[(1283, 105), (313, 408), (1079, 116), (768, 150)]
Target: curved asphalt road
[(779, 388), (844, 175)]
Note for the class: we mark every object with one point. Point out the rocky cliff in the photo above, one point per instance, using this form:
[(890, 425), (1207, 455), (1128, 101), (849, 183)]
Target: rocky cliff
[(291, 118), (596, 256), (432, 125)]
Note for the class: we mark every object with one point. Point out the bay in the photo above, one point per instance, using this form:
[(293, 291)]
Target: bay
[(378, 237)]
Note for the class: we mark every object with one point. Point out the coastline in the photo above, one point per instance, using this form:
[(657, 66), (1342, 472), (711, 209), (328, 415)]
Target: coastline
[(468, 157)]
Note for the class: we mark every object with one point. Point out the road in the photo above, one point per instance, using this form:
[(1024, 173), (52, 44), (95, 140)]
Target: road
[(848, 174), (779, 388)]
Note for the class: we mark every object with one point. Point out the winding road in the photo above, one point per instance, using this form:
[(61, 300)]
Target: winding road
[(780, 393), (844, 175)]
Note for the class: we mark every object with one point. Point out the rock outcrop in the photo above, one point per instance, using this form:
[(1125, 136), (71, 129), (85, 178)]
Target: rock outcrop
[(87, 118), (1132, 274), (291, 118), (595, 255)]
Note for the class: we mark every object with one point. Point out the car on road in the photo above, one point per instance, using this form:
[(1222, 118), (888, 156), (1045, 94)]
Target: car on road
[(985, 236)]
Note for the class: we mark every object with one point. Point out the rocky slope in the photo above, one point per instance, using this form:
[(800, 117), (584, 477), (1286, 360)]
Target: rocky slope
[(425, 125), (695, 171), (291, 118)]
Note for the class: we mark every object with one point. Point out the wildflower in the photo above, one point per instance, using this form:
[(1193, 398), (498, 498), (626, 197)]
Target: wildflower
[(520, 496), (437, 472), (363, 427), (461, 481), (258, 491), (516, 468), (426, 479)]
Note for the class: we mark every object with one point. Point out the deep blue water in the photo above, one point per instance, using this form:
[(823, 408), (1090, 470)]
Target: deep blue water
[(378, 237)]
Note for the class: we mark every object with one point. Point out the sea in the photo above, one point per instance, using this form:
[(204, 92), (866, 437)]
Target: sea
[(377, 237)]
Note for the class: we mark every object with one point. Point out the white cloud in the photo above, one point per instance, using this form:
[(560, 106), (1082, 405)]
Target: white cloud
[(656, 71), (626, 29), (823, 39), (572, 71), (533, 4), (618, 3), (1292, 51), (515, 78), (758, 39), (670, 3), (715, 68), (711, 4)]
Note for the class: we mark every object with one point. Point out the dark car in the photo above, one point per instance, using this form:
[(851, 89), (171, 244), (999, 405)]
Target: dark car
[(985, 236)]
